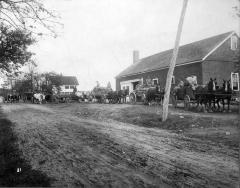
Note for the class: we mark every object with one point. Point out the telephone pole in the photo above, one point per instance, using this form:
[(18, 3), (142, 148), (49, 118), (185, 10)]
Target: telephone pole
[(238, 9), (173, 63)]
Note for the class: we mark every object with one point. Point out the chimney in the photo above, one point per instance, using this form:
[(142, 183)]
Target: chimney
[(135, 56)]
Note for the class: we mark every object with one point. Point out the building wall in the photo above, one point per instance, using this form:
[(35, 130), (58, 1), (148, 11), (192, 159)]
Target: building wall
[(220, 63), (217, 69), (224, 52), (180, 73), (66, 91)]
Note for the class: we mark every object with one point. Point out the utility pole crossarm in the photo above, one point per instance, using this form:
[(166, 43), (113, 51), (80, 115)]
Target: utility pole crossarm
[(173, 63)]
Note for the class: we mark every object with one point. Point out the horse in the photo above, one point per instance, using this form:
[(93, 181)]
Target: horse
[(198, 93), (210, 96), (39, 97), (122, 95), (224, 93), (154, 94), (202, 97), (112, 97)]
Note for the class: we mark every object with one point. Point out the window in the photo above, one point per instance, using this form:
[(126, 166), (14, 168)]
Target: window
[(234, 41), (235, 81), (155, 81), (66, 87), (71, 87), (123, 87), (173, 79)]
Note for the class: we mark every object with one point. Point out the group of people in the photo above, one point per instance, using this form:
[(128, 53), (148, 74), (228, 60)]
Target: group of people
[(12, 98), (34, 98)]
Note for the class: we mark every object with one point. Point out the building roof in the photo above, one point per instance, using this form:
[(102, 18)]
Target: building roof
[(196, 51), (69, 80), (65, 80)]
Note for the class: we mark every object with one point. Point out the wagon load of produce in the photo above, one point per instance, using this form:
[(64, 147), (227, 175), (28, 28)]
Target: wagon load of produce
[(99, 93), (186, 88), (146, 92)]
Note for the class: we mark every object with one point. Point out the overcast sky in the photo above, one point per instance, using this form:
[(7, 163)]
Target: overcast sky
[(99, 36)]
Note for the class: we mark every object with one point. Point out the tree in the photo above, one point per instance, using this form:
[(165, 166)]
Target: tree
[(29, 15), (20, 20), (109, 86), (98, 84), (52, 81), (13, 49)]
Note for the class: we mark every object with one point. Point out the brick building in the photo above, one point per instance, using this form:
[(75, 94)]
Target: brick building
[(211, 57)]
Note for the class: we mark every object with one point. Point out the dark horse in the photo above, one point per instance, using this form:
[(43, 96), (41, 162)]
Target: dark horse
[(205, 95), (214, 95), (224, 93), (122, 95), (154, 95), (202, 97), (112, 97)]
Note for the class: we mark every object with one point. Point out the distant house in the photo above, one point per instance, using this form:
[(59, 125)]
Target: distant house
[(67, 84), (208, 58)]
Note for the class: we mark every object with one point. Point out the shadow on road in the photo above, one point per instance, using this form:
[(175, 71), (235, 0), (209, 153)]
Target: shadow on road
[(14, 170)]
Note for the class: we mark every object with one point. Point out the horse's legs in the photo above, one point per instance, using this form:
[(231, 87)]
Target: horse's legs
[(214, 103), (223, 102), (205, 102), (204, 105), (218, 105), (229, 100), (209, 101)]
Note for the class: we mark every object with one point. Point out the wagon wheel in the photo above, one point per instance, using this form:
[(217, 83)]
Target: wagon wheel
[(186, 102), (132, 98)]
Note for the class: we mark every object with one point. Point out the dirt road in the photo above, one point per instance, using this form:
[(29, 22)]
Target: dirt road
[(103, 145)]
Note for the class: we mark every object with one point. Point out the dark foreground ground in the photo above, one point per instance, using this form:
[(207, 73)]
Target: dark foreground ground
[(14, 169), (105, 145)]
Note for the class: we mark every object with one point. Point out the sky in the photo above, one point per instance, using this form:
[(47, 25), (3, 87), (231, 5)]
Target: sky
[(99, 36)]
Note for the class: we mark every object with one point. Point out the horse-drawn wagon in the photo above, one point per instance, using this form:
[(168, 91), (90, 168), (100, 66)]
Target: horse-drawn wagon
[(207, 96), (146, 93), (99, 93)]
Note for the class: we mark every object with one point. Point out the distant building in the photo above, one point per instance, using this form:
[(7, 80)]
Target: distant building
[(68, 83), (208, 58)]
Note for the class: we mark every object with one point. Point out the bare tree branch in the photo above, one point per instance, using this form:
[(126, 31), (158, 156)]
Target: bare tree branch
[(30, 15)]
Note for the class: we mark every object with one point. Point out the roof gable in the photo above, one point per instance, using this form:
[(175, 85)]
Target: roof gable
[(224, 51), (195, 51)]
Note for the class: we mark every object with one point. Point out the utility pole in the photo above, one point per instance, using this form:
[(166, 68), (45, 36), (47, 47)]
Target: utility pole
[(238, 101), (173, 63)]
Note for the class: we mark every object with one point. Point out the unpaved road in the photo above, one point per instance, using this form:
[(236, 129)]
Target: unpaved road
[(90, 145)]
